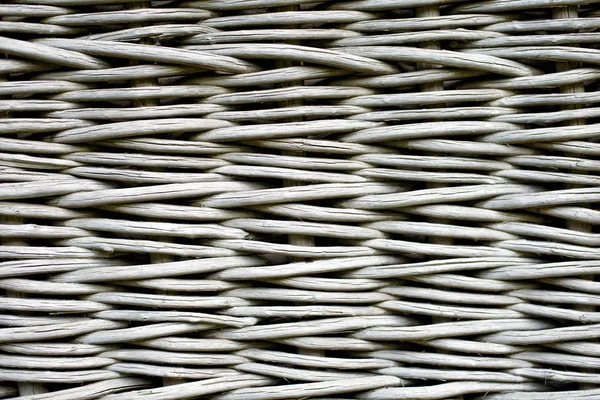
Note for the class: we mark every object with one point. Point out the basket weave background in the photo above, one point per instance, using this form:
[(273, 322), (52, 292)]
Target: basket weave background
[(298, 199)]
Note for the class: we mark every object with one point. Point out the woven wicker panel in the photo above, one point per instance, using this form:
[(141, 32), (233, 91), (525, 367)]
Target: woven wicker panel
[(299, 199)]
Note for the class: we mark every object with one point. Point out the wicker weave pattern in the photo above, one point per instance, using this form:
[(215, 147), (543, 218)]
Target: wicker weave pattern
[(298, 199)]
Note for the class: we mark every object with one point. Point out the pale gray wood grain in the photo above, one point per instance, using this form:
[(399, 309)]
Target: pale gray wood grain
[(577, 284), (541, 270), (120, 73), (297, 193), (313, 327), (445, 390), (146, 228), (39, 211), (431, 374), (54, 363), (194, 344), (395, 270), (284, 113), (446, 113), (179, 56), (191, 390), (331, 284), (406, 247), (295, 311), (471, 346), (31, 10), (130, 16), (444, 297), (477, 62), (445, 230), (432, 162), (173, 316), (159, 145), (27, 375), (271, 76), (156, 32), (562, 24), (127, 129), (450, 360), (99, 273), (309, 361), (229, 5), (289, 17), (112, 246), (588, 394), (286, 94), (51, 305), (291, 250), (168, 371), (318, 146), (302, 390), (175, 358), (105, 197), (38, 86), (305, 296), (317, 213), (305, 268), (415, 37), (35, 189), (120, 174), (258, 172), (421, 98), (166, 301), (341, 343), (560, 376), (319, 56), (409, 78), (172, 211), (275, 34), (50, 288), (182, 285), (441, 195), (550, 177), (52, 349), (273, 226), (137, 113), (542, 336), (463, 147), (49, 54), (92, 390), (408, 24), (36, 162), (55, 331), (283, 130), (40, 231), (47, 252), (449, 311), (456, 281), (521, 327), (302, 375), (549, 232), (124, 335)]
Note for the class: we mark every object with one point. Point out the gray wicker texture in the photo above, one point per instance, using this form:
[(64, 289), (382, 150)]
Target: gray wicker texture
[(300, 199)]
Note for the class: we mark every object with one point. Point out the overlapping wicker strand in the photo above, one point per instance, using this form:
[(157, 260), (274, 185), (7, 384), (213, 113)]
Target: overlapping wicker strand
[(299, 199)]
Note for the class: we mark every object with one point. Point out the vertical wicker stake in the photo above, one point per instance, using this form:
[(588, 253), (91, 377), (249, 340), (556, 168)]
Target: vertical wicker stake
[(154, 258), (296, 240), (25, 388), (437, 86), (562, 13)]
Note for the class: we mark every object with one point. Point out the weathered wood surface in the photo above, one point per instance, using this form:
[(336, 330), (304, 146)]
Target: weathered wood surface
[(293, 199)]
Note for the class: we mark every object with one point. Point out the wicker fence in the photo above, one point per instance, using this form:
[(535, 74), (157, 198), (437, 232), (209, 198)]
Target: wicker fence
[(299, 199)]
